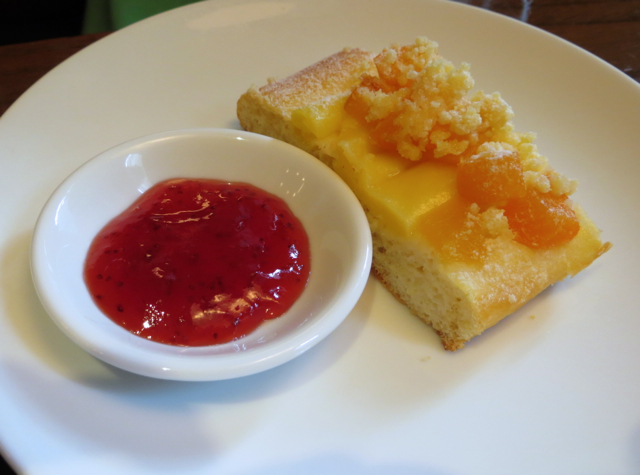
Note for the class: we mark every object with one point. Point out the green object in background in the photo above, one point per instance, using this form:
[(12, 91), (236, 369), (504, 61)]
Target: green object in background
[(110, 15)]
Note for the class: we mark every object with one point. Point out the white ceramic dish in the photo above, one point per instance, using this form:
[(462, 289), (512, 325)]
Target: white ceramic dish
[(339, 237), (554, 394)]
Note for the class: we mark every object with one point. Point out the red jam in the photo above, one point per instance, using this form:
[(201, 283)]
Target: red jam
[(198, 262)]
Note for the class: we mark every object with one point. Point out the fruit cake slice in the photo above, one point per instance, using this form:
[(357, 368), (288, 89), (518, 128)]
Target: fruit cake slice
[(468, 220)]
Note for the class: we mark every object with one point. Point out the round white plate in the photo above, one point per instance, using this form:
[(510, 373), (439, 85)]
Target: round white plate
[(552, 389)]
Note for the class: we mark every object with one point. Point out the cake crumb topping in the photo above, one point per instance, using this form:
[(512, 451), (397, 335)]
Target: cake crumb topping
[(422, 107)]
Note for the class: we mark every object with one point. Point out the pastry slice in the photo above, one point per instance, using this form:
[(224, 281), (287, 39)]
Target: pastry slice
[(469, 221)]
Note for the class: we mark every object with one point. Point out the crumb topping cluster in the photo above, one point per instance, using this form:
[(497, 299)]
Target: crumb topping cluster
[(422, 107)]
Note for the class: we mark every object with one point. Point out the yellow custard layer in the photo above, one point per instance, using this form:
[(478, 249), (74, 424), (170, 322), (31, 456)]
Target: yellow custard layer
[(418, 199)]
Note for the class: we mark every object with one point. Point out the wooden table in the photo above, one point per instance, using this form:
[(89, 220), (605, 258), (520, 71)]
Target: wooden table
[(608, 28)]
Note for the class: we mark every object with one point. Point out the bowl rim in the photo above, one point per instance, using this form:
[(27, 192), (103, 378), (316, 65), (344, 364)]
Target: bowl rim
[(193, 363)]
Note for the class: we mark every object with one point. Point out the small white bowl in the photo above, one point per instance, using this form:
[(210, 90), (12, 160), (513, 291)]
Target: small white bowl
[(338, 232)]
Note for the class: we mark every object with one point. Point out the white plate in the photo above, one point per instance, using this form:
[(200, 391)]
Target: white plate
[(557, 393)]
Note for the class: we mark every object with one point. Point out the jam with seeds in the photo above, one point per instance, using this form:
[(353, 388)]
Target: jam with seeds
[(198, 262)]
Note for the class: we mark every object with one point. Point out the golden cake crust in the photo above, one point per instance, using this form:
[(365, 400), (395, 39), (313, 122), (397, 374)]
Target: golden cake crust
[(267, 110)]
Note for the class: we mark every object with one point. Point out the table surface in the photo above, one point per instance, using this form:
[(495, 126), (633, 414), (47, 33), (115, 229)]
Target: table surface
[(610, 29)]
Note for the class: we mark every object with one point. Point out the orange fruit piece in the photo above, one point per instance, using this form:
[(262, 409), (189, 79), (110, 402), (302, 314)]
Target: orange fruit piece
[(542, 220), (491, 178)]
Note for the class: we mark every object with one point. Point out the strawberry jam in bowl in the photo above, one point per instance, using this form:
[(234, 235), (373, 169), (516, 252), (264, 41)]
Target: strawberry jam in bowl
[(198, 262), (201, 254)]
